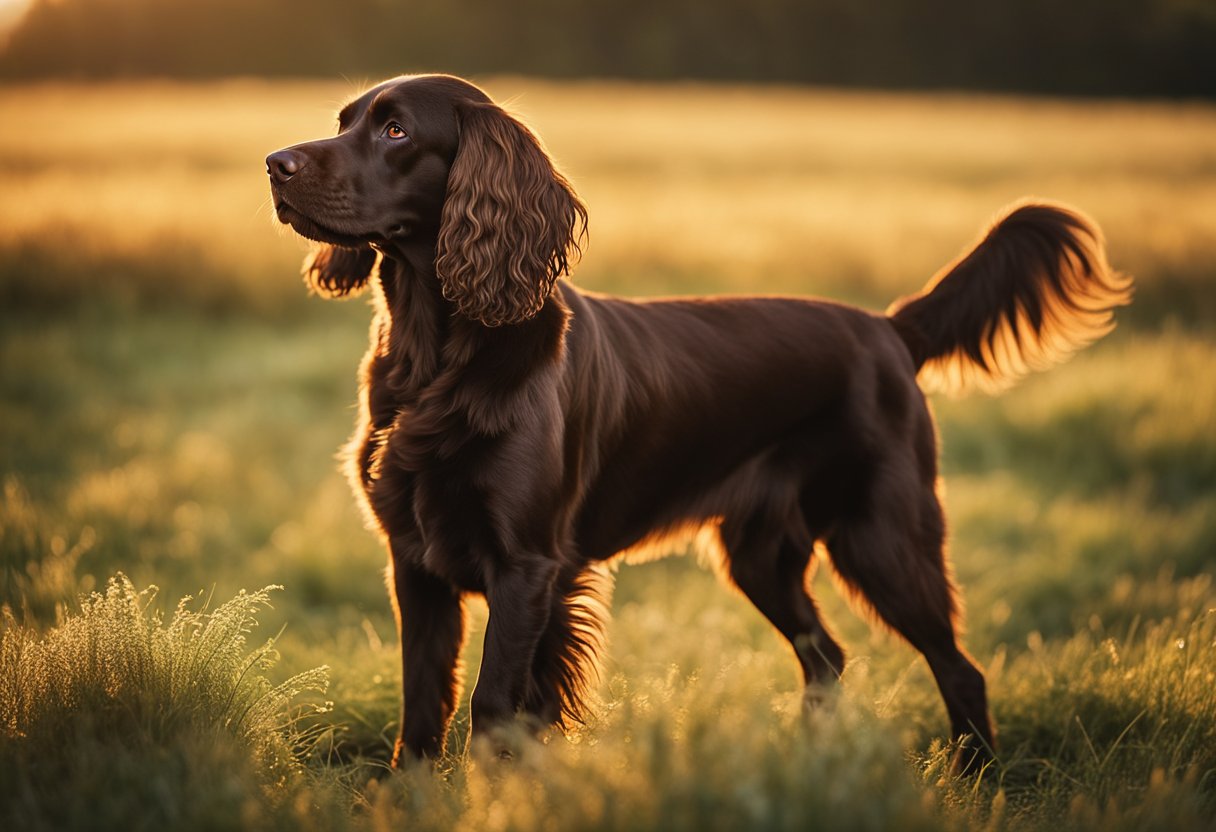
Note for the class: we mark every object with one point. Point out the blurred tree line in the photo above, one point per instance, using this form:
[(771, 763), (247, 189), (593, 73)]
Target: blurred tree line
[(1120, 47)]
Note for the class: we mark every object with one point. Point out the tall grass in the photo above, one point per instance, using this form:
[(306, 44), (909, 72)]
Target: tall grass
[(117, 684)]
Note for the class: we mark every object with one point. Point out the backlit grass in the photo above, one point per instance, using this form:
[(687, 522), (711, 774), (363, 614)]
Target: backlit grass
[(127, 708)]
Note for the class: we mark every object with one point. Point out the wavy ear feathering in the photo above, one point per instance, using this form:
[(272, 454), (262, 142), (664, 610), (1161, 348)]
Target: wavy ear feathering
[(511, 224), (336, 271)]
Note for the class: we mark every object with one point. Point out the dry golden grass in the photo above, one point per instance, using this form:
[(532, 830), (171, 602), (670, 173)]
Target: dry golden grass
[(690, 187)]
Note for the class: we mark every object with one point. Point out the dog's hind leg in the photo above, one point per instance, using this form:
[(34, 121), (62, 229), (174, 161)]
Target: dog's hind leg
[(890, 552), (771, 570)]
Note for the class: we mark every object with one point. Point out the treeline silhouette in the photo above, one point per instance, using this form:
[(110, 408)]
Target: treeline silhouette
[(1101, 47)]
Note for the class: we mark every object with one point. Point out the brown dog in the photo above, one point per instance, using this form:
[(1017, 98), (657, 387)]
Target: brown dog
[(515, 432)]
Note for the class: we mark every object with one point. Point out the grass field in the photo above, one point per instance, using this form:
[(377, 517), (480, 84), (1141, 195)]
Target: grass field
[(171, 401)]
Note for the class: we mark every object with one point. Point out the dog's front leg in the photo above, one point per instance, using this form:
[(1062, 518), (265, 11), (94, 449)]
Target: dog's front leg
[(430, 620), (519, 595)]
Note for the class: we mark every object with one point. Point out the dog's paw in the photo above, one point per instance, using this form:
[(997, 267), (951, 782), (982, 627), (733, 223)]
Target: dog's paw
[(818, 697)]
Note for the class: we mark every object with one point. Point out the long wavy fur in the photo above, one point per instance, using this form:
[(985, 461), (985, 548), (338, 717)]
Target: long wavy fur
[(1035, 289), (511, 222), (566, 668), (336, 271)]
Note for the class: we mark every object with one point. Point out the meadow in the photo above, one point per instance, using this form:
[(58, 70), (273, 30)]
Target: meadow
[(171, 401)]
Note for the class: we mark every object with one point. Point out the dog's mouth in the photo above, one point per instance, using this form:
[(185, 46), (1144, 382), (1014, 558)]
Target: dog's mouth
[(309, 228)]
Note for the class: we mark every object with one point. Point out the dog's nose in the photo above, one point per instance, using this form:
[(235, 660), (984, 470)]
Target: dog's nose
[(284, 164)]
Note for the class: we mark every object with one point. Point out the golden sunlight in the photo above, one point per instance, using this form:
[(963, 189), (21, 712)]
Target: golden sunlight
[(10, 13)]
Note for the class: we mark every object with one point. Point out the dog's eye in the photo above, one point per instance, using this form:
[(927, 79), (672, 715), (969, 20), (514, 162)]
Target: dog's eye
[(395, 131)]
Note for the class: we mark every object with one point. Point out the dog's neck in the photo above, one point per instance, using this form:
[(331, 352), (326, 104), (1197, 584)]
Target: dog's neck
[(413, 317), (407, 278), (423, 335)]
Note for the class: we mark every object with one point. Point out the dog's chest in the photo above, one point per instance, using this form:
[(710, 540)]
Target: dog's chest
[(419, 474)]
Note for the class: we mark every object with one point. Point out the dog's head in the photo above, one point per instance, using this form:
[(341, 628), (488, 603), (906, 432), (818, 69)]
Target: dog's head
[(431, 162)]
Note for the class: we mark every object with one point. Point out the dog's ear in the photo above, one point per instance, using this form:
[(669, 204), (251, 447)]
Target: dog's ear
[(511, 222), (336, 271)]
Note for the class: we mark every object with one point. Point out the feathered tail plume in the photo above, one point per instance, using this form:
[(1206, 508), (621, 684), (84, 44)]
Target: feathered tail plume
[(1034, 290)]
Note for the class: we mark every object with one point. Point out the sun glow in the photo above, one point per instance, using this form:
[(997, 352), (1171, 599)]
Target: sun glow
[(10, 13)]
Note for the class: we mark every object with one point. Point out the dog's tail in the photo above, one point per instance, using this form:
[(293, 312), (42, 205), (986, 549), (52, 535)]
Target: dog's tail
[(1035, 289)]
